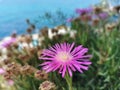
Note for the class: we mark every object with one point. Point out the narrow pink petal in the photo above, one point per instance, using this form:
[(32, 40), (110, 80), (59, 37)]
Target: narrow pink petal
[(85, 63), (46, 67), (72, 67), (71, 47), (47, 54), (64, 71), (80, 59), (45, 63), (57, 46), (76, 49), (51, 68), (69, 71), (52, 49), (62, 47), (67, 46), (78, 68), (86, 56), (84, 67), (57, 67), (45, 58), (61, 68), (80, 53)]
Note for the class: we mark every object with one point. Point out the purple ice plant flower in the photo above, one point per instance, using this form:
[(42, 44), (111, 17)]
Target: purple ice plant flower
[(103, 15), (7, 42), (84, 11), (65, 58)]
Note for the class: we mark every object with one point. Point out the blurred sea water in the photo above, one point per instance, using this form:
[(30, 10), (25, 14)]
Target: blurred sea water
[(13, 13)]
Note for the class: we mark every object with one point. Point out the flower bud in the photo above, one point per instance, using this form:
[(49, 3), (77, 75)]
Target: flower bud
[(47, 85), (14, 68), (44, 31), (41, 75), (97, 10), (95, 22), (6, 61), (27, 70), (7, 76)]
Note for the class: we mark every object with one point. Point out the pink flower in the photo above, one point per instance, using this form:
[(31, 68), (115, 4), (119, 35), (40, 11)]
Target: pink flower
[(7, 42), (103, 15), (83, 11), (65, 57), (2, 71), (10, 82)]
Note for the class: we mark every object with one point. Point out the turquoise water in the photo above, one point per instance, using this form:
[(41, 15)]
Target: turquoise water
[(13, 13)]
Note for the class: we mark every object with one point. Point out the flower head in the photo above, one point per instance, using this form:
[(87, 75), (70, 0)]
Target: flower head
[(10, 82), (41, 75), (2, 71), (65, 57), (103, 15), (84, 11), (47, 85), (7, 42)]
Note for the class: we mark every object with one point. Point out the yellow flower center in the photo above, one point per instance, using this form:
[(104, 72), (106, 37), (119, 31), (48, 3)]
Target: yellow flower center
[(63, 56)]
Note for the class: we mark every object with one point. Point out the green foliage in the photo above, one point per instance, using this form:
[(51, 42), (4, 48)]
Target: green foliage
[(104, 46)]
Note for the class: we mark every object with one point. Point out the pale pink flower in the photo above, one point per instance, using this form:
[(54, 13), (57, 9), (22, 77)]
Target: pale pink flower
[(7, 42), (10, 82), (2, 71)]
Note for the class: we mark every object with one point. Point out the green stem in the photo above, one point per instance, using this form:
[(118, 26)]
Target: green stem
[(69, 81)]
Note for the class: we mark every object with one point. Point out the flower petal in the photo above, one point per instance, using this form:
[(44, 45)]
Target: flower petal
[(69, 71)]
